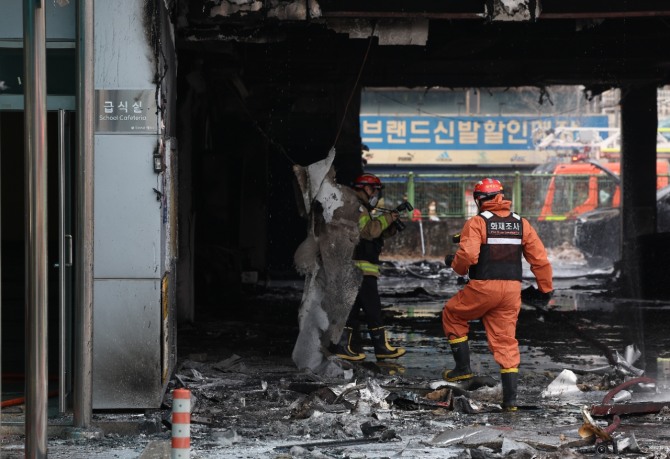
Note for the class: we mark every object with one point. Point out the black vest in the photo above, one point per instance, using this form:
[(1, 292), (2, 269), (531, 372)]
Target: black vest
[(369, 250), (500, 257)]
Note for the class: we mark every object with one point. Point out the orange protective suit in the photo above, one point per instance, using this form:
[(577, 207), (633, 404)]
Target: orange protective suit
[(496, 302)]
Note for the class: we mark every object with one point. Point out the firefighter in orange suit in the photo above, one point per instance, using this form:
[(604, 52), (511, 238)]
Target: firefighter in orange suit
[(490, 249), (373, 230)]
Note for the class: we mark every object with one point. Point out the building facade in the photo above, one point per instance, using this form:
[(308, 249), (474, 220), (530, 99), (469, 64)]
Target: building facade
[(133, 187)]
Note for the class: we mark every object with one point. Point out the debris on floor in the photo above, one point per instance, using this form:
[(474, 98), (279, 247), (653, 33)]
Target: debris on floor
[(249, 399)]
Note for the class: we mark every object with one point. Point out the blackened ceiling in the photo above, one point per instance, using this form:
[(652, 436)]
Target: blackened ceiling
[(596, 43)]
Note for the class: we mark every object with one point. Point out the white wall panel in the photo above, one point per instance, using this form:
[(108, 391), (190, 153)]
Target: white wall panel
[(123, 59), (126, 345), (127, 214)]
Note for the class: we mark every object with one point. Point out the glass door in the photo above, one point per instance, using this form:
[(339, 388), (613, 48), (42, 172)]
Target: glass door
[(64, 262), (60, 147)]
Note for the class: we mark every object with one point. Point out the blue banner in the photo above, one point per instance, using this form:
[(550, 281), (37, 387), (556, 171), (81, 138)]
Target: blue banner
[(432, 132)]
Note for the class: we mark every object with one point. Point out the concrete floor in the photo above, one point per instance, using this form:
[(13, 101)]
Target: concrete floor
[(251, 408)]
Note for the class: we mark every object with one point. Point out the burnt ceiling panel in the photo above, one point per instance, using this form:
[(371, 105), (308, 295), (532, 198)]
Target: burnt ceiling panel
[(588, 42)]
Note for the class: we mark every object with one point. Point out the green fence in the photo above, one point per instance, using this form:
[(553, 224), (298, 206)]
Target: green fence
[(549, 196)]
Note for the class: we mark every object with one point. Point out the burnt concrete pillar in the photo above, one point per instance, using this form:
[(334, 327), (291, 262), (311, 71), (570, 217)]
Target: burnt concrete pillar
[(191, 107), (639, 124)]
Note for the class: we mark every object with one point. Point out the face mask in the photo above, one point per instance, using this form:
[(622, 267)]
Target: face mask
[(374, 199)]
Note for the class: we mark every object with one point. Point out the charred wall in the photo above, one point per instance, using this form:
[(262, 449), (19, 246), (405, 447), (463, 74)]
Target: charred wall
[(242, 128)]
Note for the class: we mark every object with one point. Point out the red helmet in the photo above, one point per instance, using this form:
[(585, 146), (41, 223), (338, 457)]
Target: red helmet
[(368, 179), (486, 189)]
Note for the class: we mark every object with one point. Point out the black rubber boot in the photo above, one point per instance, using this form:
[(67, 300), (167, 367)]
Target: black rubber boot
[(383, 350), (343, 349), (509, 382), (461, 352)]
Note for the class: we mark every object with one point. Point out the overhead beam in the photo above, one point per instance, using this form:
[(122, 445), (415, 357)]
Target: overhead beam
[(476, 9)]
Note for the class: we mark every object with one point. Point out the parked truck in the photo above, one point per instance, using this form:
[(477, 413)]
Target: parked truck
[(579, 187)]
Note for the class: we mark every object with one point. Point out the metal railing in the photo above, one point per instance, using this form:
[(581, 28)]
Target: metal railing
[(533, 195)]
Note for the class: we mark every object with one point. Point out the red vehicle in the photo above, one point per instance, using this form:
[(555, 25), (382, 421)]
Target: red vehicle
[(576, 188)]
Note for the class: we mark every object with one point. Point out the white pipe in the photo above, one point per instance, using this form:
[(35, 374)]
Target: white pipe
[(423, 245)]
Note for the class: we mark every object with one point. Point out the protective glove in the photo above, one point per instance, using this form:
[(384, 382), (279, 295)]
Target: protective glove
[(449, 259), (534, 297), (545, 298)]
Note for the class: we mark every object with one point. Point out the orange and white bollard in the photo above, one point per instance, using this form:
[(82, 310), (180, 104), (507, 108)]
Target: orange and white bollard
[(181, 424)]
